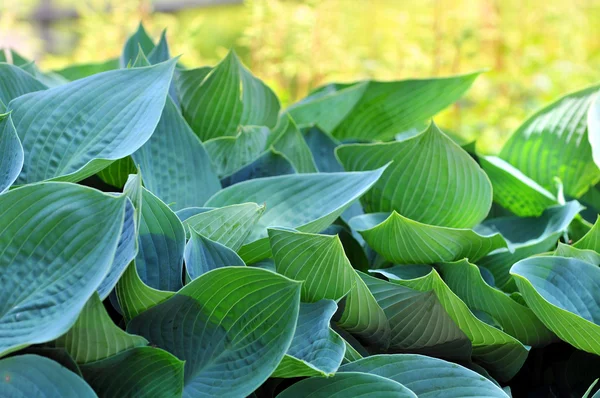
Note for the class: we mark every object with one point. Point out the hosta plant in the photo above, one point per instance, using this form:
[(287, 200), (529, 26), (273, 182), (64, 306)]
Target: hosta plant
[(173, 231)]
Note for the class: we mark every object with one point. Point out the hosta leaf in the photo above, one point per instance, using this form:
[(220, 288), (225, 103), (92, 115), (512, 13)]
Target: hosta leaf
[(307, 202), (431, 180), (159, 261), (15, 82), (203, 255), (160, 52), (289, 141), (229, 154), (316, 350), (74, 130), (12, 153), (515, 191), (593, 125), (186, 213), (137, 372), (229, 225), (117, 172), (500, 353), (525, 237), (591, 240), (135, 296), (269, 164), (589, 256), (563, 293), (216, 101), (418, 321), (427, 377), (404, 241), (384, 108), (139, 39), (318, 260), (80, 71), (94, 336), (29, 375), (175, 164), (322, 146), (347, 384), (240, 323), (53, 256), (466, 282), (554, 143)]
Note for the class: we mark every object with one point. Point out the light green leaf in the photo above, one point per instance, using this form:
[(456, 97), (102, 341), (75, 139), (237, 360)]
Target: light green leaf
[(117, 172), (26, 376), (590, 256), (289, 141), (591, 240), (525, 237), (139, 39), (202, 255), (72, 234), (517, 320), (216, 101), (307, 202), (563, 293), (229, 154), (316, 350), (347, 384), (229, 225), (593, 125), (431, 180), (418, 321), (240, 320), (175, 164), (317, 260), (554, 143), (75, 72), (75, 130), (11, 161), (514, 191), (384, 108), (497, 351), (427, 377), (94, 336), (137, 372), (159, 261), (404, 241), (15, 82)]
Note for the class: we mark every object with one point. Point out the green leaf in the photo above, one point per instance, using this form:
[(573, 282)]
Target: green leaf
[(75, 72), (217, 100), (427, 377), (515, 191), (289, 142), (117, 172), (72, 234), (563, 293), (12, 153), (240, 323), (139, 39), (318, 260), (159, 261), (591, 240), (497, 351), (525, 237), (316, 350), (307, 202), (554, 143), (202, 255), (94, 336), (75, 130), (269, 164), (29, 375), (347, 384), (404, 241), (175, 164), (160, 53), (593, 125), (589, 256), (137, 372), (229, 225), (15, 82), (465, 280), (375, 110), (418, 321), (431, 180), (229, 154)]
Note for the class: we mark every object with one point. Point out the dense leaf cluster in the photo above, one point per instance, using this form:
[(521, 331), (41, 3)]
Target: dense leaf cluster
[(170, 232)]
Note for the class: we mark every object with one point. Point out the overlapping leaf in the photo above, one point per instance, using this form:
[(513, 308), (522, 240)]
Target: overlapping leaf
[(12, 153), (203, 255), (15, 82)]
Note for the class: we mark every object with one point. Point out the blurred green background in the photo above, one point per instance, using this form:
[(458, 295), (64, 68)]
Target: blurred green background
[(534, 50)]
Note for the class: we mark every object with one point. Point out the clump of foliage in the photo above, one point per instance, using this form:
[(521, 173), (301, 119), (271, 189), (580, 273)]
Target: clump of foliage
[(171, 232)]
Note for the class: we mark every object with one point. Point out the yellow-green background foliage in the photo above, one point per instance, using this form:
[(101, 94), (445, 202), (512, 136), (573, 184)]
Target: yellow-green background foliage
[(535, 50)]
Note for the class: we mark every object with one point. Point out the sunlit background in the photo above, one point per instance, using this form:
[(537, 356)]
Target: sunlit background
[(534, 50)]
